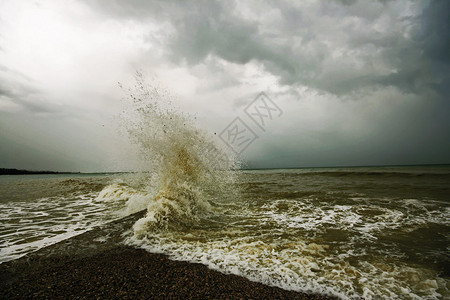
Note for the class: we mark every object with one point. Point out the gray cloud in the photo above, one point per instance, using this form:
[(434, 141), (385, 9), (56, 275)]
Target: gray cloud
[(340, 51), (390, 57), (21, 90), (422, 61)]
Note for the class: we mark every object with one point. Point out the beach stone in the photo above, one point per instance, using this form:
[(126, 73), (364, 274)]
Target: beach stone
[(128, 273)]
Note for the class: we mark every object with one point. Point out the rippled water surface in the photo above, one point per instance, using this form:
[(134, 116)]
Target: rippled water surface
[(350, 232)]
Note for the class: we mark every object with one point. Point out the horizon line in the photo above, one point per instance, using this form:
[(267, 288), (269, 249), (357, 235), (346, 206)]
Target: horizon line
[(43, 172)]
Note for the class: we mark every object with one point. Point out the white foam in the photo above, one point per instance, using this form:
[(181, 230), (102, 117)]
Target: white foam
[(365, 218), (296, 265), (29, 226), (280, 242), (282, 257)]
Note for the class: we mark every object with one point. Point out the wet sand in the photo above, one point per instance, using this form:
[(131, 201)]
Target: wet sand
[(125, 272)]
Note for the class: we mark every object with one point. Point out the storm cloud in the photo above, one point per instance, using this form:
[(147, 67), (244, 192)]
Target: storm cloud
[(333, 46), (359, 82)]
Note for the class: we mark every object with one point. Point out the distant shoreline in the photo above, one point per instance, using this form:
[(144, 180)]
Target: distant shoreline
[(4, 171)]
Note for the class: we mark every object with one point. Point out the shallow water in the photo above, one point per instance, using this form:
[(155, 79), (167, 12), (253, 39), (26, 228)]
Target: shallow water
[(40, 210), (350, 232)]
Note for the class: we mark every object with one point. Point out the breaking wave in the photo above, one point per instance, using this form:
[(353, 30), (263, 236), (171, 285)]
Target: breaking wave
[(185, 163), (350, 233)]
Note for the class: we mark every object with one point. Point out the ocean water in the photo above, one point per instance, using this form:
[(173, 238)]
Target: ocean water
[(375, 232)]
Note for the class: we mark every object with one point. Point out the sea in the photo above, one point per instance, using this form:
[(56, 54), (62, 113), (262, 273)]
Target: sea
[(360, 232)]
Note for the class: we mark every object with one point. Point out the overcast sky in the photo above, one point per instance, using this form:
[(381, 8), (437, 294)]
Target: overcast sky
[(358, 82)]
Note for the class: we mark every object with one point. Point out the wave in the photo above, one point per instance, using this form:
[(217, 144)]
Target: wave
[(185, 161), (333, 237)]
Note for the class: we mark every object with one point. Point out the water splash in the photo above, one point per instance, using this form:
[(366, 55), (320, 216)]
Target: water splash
[(185, 160)]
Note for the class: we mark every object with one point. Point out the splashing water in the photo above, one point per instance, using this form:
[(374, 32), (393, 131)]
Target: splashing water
[(186, 160), (372, 233), (350, 233)]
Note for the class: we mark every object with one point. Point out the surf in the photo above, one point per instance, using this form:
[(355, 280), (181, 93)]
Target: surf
[(186, 162)]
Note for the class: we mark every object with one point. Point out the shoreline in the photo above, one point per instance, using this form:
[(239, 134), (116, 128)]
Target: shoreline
[(127, 272), (85, 266)]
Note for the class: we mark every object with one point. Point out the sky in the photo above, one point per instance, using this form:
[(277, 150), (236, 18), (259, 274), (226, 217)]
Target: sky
[(353, 82)]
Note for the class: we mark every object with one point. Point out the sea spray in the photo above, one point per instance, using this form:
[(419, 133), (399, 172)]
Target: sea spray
[(296, 229), (186, 162)]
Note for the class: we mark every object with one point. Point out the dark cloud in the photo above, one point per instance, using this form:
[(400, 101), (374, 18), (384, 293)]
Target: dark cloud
[(435, 42), (339, 52), (347, 48), (422, 61), (434, 36), (324, 52), (410, 131)]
